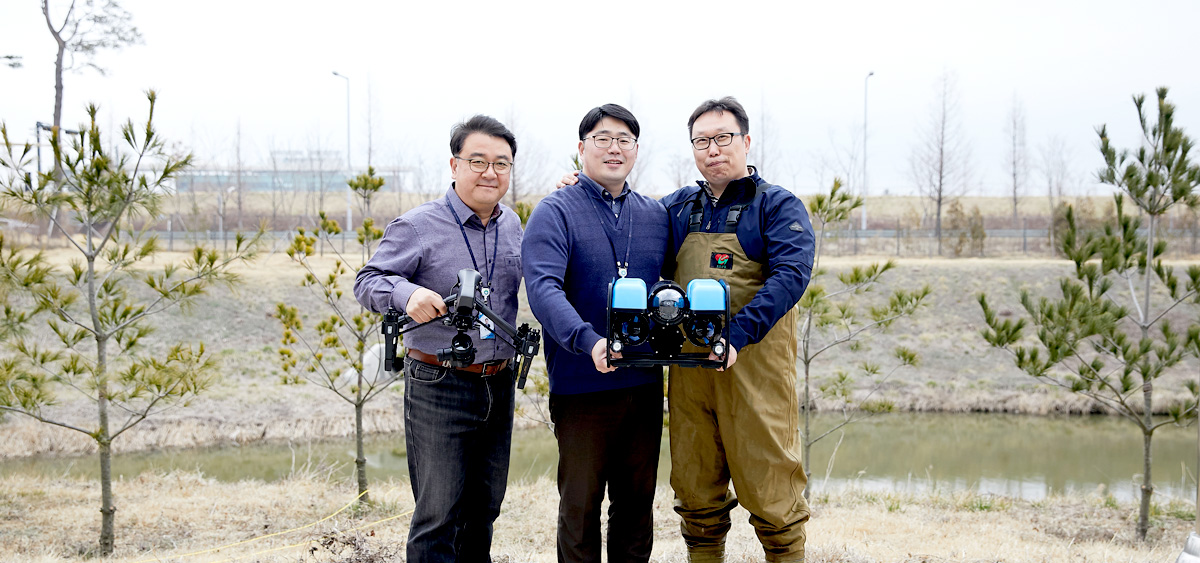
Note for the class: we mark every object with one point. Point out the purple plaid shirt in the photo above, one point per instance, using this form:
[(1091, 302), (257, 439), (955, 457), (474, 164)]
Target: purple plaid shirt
[(425, 248)]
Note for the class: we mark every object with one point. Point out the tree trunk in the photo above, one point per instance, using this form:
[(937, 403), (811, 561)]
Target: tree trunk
[(1143, 524), (56, 124), (807, 459), (107, 510), (360, 460), (938, 226)]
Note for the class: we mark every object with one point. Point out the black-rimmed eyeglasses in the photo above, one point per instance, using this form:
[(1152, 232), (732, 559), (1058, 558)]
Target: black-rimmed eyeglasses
[(722, 140), (481, 166), (605, 141)]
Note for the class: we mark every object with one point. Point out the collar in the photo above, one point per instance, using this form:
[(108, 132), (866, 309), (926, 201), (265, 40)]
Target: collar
[(465, 213), (736, 188), (598, 191)]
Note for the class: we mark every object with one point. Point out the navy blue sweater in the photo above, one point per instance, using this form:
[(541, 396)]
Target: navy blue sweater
[(568, 260), (774, 231)]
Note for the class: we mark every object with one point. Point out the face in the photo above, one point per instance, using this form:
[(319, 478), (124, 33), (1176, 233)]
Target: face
[(481, 191), (608, 166), (720, 165)]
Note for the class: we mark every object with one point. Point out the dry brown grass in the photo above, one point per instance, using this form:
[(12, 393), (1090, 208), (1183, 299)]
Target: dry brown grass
[(183, 516)]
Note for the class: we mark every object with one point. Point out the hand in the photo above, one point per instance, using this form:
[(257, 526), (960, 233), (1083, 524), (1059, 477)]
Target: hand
[(600, 360), (424, 305), (568, 179), (729, 351)]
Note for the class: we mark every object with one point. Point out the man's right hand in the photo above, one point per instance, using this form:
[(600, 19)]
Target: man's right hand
[(568, 179), (424, 305), (599, 359)]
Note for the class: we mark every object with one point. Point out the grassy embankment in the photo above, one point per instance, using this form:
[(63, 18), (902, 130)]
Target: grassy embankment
[(958, 372)]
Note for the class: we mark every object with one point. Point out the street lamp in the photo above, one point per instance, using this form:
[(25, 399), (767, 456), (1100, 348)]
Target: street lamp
[(864, 179), (349, 168)]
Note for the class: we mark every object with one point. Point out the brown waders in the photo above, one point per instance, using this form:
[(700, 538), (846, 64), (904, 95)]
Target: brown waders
[(741, 423)]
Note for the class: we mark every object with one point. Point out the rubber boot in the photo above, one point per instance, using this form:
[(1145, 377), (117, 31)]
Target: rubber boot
[(706, 555)]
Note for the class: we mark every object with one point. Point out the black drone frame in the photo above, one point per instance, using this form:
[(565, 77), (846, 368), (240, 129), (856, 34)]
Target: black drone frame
[(463, 312)]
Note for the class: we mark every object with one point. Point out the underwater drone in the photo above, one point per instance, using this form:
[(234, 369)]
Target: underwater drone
[(648, 327)]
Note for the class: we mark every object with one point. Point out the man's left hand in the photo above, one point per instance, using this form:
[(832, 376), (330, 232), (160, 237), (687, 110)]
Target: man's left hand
[(730, 351)]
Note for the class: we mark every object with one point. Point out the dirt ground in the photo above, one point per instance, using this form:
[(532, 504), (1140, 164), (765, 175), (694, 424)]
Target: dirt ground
[(186, 517)]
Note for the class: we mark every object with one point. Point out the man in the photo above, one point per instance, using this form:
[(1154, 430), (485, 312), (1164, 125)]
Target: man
[(741, 424), (457, 422), (608, 421)]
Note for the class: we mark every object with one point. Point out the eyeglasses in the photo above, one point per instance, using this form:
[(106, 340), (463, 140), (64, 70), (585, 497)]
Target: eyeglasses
[(481, 166), (605, 141), (722, 140)]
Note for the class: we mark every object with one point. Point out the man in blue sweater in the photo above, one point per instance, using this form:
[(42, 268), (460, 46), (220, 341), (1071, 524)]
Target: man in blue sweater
[(608, 421)]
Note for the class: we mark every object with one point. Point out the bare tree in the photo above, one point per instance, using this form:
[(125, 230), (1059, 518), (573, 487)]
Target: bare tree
[(640, 167), (1017, 159), (1056, 169), (530, 168), (682, 170), (764, 139), (86, 28), (842, 161), (939, 162), (239, 187), (276, 185)]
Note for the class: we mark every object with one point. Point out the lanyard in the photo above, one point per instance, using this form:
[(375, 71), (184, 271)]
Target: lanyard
[(622, 268), (487, 290)]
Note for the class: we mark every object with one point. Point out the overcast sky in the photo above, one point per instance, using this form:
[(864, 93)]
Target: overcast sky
[(541, 65)]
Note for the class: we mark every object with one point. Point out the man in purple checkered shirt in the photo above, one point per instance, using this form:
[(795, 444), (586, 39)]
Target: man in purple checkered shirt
[(457, 421)]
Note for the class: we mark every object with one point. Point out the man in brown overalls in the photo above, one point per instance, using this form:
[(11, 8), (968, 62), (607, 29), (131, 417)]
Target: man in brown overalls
[(739, 424)]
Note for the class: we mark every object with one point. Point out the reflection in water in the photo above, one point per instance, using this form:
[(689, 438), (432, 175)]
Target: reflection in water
[(1018, 456), (1026, 457)]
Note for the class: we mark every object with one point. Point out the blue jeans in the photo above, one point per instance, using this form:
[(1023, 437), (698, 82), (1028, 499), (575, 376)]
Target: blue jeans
[(458, 430)]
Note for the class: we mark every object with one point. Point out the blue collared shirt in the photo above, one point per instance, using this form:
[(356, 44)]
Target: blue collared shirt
[(425, 248), (614, 203)]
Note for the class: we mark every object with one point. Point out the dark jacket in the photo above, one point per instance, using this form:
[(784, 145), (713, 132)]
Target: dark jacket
[(774, 231)]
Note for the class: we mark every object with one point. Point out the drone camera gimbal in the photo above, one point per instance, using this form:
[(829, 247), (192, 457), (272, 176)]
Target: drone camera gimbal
[(464, 310)]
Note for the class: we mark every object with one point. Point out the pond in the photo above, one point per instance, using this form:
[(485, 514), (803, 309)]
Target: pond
[(1018, 456)]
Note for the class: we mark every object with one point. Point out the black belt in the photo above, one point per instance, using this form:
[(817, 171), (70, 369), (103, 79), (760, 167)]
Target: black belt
[(485, 368)]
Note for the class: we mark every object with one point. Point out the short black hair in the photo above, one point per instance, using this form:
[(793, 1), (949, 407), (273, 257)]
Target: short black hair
[(480, 124), (608, 110), (729, 104)]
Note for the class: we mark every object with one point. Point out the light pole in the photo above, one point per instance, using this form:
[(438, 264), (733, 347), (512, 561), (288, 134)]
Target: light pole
[(349, 168), (864, 179)]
